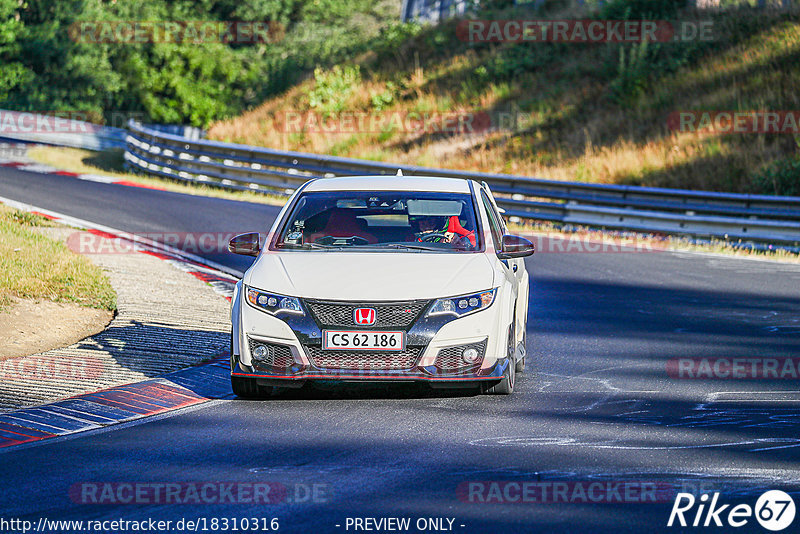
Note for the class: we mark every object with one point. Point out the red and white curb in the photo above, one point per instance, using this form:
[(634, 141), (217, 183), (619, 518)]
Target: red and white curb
[(120, 404)]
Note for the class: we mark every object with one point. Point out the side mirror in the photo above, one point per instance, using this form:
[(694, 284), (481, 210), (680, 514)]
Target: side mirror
[(245, 244), (515, 247)]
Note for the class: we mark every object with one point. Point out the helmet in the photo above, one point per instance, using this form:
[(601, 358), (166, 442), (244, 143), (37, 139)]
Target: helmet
[(428, 223)]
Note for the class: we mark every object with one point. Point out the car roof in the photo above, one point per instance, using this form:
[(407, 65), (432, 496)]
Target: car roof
[(390, 183)]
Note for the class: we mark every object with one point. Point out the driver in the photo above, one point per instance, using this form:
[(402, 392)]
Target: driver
[(431, 228)]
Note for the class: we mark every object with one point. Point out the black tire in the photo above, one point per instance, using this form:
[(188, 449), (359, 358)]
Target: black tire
[(248, 388), (506, 384), (520, 367)]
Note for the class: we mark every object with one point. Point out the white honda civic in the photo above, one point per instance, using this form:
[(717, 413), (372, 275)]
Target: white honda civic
[(382, 278)]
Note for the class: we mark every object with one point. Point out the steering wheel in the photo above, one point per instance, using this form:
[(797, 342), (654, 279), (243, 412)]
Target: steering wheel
[(435, 237), (462, 242)]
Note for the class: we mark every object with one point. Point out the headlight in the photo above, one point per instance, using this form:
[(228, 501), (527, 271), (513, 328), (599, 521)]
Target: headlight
[(464, 305), (274, 304)]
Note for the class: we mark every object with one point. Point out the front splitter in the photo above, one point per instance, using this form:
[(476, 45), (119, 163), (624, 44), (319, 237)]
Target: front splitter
[(484, 375)]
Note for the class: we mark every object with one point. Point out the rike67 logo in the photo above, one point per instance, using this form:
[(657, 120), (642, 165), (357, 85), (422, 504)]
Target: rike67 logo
[(774, 510)]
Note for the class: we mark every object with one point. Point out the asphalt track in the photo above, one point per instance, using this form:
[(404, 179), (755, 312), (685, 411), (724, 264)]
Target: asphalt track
[(596, 404)]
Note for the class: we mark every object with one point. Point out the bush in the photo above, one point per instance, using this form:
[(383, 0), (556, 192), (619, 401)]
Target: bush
[(633, 72), (382, 101), (782, 177), (333, 87)]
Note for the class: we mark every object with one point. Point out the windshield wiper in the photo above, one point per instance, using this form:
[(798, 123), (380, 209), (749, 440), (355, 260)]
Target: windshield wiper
[(307, 245), (413, 247)]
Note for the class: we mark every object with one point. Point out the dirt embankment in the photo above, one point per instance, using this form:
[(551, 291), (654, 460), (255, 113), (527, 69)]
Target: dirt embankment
[(33, 326)]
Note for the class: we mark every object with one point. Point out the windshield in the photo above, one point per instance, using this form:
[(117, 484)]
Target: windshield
[(404, 220)]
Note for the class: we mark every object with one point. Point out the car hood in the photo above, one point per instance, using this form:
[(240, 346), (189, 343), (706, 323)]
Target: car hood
[(370, 276)]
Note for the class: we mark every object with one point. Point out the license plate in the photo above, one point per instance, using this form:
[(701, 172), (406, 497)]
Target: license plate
[(362, 340)]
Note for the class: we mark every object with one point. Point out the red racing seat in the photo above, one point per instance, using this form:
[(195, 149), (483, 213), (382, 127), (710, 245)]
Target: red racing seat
[(343, 223)]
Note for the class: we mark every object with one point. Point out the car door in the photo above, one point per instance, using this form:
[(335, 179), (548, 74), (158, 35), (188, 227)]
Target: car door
[(496, 229), (515, 267)]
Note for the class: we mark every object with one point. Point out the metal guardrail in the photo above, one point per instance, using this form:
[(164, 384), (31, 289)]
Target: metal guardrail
[(731, 216)]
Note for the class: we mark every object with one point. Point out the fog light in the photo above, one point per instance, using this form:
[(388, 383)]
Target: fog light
[(470, 355), (260, 352)]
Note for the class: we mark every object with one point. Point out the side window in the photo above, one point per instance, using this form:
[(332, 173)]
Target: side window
[(494, 224), (502, 221)]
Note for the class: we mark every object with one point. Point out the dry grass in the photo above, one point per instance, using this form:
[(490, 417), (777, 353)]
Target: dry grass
[(569, 129), (35, 266)]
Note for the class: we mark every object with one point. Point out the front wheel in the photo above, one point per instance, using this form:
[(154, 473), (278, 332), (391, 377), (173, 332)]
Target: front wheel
[(248, 388), (520, 367), (506, 384)]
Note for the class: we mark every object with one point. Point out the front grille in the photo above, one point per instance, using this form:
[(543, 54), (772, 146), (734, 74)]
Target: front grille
[(449, 360), (277, 357), (387, 315), (374, 361)]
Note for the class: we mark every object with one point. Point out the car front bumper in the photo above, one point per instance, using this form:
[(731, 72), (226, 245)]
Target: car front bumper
[(294, 350), (416, 374)]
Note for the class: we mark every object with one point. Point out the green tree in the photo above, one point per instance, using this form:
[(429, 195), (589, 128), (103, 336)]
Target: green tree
[(12, 72), (67, 74)]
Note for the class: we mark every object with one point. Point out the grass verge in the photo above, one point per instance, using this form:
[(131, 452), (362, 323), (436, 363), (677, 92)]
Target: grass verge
[(37, 267)]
